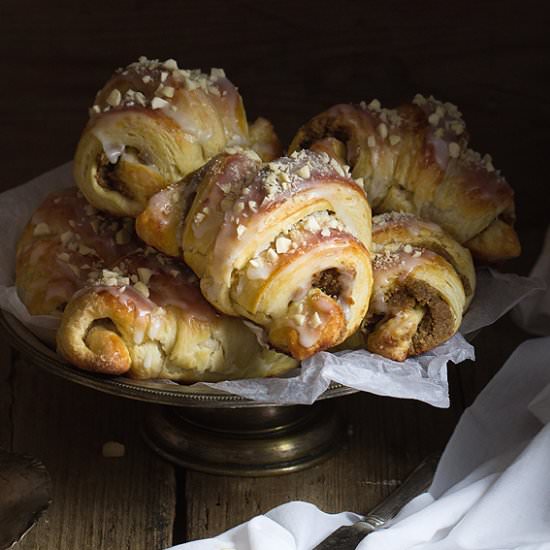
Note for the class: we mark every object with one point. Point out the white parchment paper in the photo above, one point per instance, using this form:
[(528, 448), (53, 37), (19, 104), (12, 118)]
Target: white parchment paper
[(423, 377)]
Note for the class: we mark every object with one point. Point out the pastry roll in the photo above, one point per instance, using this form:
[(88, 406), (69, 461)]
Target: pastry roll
[(124, 308), (151, 125), (146, 318), (395, 229), (423, 283), (284, 244), (416, 159), (65, 242)]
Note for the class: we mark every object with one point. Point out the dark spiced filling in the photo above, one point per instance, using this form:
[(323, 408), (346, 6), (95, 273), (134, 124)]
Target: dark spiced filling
[(437, 321), (328, 281), (107, 176)]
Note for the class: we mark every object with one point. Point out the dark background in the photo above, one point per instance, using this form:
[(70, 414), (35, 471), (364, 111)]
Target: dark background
[(290, 61)]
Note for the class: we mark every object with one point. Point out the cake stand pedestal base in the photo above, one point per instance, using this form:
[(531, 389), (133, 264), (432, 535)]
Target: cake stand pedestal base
[(250, 441)]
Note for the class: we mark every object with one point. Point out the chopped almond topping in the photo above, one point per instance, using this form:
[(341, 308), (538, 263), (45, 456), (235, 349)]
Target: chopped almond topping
[(282, 245), (216, 74), (375, 105), (383, 130), (144, 274), (304, 172), (41, 229), (454, 150), (66, 237), (113, 99), (316, 320), (85, 250), (158, 103), (300, 319), (170, 64), (311, 224), (142, 289), (272, 255), (394, 140)]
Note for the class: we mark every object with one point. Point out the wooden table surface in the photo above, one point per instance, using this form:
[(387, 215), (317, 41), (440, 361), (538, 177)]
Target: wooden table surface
[(290, 61)]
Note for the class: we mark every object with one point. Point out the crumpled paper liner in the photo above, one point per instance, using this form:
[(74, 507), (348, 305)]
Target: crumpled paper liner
[(423, 377)]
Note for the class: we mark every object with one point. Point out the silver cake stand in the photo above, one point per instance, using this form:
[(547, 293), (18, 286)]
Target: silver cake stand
[(208, 430)]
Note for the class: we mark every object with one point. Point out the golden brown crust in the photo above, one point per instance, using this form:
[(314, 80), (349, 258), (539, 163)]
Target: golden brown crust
[(125, 309), (263, 238), (151, 125), (147, 319), (423, 282), (65, 242), (417, 302), (393, 230), (415, 159)]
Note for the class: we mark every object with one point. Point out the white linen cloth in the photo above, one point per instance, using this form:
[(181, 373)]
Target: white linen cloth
[(491, 490)]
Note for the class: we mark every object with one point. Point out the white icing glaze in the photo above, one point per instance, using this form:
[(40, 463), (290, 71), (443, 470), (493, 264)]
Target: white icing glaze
[(189, 124), (441, 151), (112, 150), (307, 335), (301, 292), (402, 265), (347, 282), (260, 271)]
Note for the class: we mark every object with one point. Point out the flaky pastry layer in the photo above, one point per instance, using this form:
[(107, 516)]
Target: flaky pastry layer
[(152, 124), (416, 159), (284, 244)]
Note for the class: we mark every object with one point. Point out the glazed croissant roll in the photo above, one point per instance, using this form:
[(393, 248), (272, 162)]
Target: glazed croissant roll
[(396, 229), (124, 308), (65, 242), (423, 283), (146, 318), (152, 124), (284, 244), (416, 159)]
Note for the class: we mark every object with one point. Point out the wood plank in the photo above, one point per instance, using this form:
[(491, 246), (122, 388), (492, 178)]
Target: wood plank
[(6, 399), (388, 438), (99, 503)]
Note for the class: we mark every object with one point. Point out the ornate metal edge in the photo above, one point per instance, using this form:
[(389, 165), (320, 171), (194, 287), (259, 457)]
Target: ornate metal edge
[(22, 339)]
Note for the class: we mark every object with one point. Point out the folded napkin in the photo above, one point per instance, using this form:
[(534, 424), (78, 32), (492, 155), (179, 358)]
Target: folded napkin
[(491, 490), (492, 485)]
